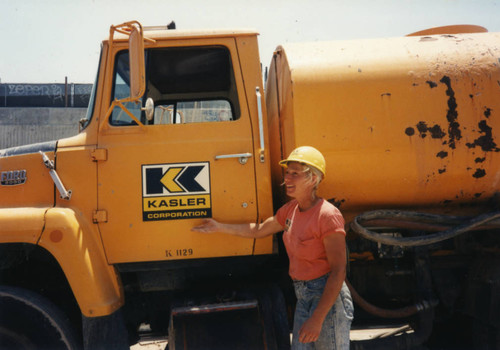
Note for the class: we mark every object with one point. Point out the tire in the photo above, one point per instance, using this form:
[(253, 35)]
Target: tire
[(105, 332), (30, 321)]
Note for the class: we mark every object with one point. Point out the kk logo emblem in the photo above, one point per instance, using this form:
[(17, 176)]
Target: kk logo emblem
[(176, 191)]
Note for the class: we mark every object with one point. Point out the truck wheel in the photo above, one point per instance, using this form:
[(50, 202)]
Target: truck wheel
[(30, 321)]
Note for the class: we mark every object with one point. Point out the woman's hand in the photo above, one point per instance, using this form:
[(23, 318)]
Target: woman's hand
[(208, 226), (310, 330)]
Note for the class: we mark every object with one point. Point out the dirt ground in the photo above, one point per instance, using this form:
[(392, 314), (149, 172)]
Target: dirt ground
[(159, 344)]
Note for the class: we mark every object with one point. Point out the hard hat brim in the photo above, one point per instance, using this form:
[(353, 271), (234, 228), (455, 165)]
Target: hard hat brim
[(284, 164)]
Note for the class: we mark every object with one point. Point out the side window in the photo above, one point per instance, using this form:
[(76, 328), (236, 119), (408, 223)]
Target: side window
[(187, 85), (193, 112), (192, 85), (121, 89)]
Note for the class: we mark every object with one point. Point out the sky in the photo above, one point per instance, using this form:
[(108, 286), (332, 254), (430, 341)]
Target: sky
[(44, 41)]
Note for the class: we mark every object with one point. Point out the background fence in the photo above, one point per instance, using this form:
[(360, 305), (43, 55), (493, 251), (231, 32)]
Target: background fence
[(21, 126), (45, 95), (31, 113)]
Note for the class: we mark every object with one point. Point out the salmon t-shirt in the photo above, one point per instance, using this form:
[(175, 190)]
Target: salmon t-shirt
[(303, 237)]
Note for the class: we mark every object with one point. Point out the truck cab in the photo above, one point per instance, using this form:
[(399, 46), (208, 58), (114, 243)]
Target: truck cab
[(196, 156), (174, 133)]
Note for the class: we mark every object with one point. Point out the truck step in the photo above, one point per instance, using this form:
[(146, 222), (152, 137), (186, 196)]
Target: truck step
[(218, 307), (231, 326)]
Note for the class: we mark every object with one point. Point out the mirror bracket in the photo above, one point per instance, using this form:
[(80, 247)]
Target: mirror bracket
[(133, 30)]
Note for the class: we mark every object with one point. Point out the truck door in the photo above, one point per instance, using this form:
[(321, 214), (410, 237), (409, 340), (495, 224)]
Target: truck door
[(193, 159)]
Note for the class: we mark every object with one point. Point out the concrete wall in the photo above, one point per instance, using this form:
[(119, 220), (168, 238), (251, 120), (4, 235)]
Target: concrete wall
[(21, 126)]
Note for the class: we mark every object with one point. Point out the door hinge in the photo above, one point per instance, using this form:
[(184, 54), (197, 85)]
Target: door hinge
[(99, 216), (99, 154)]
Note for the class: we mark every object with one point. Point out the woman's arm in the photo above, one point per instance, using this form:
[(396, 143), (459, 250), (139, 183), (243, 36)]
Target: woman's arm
[(336, 254), (251, 230)]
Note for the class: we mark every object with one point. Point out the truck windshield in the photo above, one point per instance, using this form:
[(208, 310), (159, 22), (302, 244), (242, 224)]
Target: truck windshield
[(90, 108), (187, 85)]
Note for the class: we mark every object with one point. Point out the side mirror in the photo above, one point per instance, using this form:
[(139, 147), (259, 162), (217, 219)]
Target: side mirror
[(135, 35), (136, 63), (136, 67), (149, 109)]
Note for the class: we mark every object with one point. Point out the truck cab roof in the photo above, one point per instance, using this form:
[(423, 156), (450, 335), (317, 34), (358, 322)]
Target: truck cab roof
[(161, 32)]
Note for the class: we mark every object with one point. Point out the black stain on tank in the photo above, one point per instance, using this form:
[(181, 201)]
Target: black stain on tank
[(487, 112), (479, 160), (441, 170), (431, 84), (484, 141), (479, 173), (336, 202), (442, 154), (435, 131), (422, 129), (454, 132), (410, 131)]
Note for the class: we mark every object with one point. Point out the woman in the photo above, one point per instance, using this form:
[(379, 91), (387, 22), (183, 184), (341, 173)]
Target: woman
[(314, 238)]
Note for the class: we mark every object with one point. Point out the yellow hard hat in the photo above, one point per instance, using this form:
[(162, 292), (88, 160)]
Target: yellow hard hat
[(307, 155)]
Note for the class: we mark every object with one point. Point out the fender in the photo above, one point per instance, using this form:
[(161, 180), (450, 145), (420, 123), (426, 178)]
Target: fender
[(21, 225), (77, 247)]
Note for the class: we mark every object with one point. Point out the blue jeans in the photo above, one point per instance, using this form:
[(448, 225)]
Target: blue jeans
[(335, 331)]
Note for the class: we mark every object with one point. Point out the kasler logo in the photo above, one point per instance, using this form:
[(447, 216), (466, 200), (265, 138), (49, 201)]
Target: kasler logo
[(176, 191)]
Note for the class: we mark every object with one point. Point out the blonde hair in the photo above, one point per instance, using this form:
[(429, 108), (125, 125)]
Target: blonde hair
[(310, 170)]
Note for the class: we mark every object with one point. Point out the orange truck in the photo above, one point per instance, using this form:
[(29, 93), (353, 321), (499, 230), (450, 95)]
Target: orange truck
[(95, 230)]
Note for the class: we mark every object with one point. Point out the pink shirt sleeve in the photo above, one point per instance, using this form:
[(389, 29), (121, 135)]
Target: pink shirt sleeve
[(331, 221)]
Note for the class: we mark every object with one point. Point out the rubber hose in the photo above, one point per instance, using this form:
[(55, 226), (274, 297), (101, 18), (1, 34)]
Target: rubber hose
[(387, 313), (404, 341), (422, 240)]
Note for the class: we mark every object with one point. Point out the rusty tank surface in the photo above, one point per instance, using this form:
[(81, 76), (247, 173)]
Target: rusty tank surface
[(403, 122)]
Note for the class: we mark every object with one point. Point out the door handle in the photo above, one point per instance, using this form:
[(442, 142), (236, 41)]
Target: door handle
[(243, 157), (261, 126)]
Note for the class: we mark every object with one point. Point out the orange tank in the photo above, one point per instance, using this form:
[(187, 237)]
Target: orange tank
[(403, 122)]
